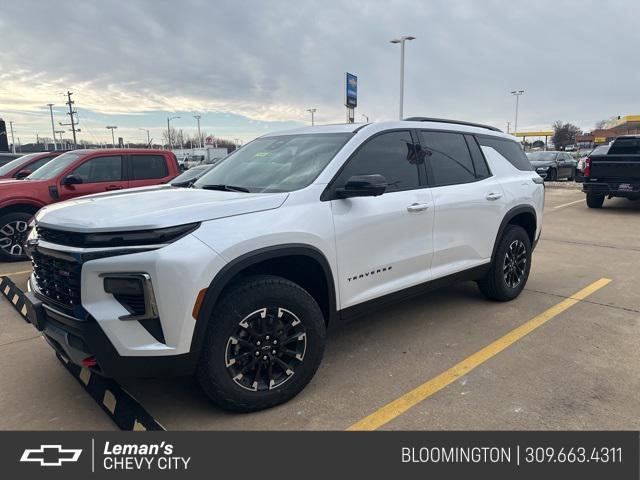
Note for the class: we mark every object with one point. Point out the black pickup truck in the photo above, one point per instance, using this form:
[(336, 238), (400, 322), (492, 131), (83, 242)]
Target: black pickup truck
[(614, 174)]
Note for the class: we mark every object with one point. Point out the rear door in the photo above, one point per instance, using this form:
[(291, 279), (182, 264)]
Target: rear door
[(147, 169), (565, 164), (468, 201), (101, 173)]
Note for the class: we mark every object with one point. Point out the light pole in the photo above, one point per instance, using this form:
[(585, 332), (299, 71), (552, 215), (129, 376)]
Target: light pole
[(169, 130), (198, 117), (401, 41), (508, 127), (366, 117), (517, 94), (312, 111), (148, 136), (113, 137), (13, 143), (60, 132), (53, 127)]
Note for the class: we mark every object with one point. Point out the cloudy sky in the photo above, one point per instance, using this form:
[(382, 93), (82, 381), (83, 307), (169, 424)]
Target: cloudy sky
[(250, 66)]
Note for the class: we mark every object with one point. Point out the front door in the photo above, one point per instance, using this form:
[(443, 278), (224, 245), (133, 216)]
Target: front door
[(383, 243), (98, 174)]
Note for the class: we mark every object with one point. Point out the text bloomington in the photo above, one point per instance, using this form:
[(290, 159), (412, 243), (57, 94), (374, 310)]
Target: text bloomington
[(456, 455)]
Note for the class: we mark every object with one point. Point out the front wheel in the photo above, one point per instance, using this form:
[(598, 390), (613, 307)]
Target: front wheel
[(510, 268), (14, 228), (264, 344)]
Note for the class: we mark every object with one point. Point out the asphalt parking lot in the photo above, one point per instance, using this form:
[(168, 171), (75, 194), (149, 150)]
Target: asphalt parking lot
[(571, 363)]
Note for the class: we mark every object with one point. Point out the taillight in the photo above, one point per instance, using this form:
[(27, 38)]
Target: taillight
[(587, 167)]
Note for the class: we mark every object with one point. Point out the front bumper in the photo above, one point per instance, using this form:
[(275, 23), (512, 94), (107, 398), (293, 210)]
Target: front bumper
[(76, 340)]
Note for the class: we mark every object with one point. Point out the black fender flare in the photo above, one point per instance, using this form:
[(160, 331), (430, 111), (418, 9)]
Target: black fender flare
[(235, 266), (510, 215)]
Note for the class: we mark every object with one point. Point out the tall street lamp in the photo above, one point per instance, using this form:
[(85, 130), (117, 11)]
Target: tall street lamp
[(198, 117), (366, 118), (169, 130), (148, 136), (53, 127), (312, 111), (401, 41), (517, 94), (113, 137)]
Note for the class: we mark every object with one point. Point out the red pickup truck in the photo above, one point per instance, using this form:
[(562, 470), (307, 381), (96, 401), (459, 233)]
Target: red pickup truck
[(70, 175)]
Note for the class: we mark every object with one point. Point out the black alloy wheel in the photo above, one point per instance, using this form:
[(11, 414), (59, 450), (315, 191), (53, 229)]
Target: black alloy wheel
[(515, 263), (14, 228), (266, 349)]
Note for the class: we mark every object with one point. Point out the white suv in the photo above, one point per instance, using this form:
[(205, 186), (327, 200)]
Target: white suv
[(237, 278)]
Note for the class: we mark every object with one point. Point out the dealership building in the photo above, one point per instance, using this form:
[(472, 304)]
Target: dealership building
[(629, 125)]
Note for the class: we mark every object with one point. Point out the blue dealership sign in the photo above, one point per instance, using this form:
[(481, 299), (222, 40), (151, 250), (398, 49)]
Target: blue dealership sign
[(351, 90)]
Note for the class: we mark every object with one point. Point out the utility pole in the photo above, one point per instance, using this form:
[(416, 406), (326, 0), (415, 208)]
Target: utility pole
[(71, 114), (312, 111), (508, 126), (517, 94), (60, 132), (13, 143), (113, 137), (53, 127), (402, 41), (198, 117), (169, 131)]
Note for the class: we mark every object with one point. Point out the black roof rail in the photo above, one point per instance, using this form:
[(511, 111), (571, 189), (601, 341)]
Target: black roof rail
[(458, 122)]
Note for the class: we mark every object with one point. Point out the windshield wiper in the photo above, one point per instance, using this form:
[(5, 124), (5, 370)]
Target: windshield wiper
[(226, 188)]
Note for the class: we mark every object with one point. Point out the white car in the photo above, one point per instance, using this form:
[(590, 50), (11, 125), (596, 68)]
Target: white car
[(237, 278)]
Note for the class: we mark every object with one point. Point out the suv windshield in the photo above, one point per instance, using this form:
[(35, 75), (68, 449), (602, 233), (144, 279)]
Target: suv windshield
[(275, 164), (7, 167), (541, 156), (54, 167)]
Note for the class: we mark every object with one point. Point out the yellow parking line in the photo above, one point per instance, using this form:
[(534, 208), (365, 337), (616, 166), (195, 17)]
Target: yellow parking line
[(397, 407), (14, 273)]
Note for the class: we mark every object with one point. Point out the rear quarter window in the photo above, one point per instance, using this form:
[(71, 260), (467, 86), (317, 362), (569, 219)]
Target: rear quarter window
[(146, 167), (509, 150), (625, 146)]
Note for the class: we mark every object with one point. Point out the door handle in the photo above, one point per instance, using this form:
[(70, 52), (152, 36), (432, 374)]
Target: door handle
[(114, 187), (494, 196), (417, 207)]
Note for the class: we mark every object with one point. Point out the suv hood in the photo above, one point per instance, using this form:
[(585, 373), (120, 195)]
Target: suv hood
[(147, 208)]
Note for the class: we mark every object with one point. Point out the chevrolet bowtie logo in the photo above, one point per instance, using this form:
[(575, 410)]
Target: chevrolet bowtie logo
[(50, 455)]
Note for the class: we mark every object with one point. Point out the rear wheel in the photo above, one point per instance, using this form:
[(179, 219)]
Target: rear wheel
[(264, 344), (595, 200), (509, 270), (14, 228)]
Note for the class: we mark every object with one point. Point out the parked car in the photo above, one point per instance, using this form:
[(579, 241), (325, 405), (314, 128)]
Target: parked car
[(24, 166), (7, 157), (70, 175), (188, 177), (553, 166), (614, 172), (570, 148), (238, 278)]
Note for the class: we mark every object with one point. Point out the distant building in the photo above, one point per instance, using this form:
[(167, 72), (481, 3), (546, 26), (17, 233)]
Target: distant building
[(629, 125)]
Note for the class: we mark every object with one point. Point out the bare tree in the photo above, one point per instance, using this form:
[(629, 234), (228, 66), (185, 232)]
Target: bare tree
[(564, 134)]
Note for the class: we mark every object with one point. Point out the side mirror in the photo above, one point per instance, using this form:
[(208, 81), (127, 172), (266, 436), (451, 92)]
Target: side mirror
[(22, 174), (71, 180), (363, 186)]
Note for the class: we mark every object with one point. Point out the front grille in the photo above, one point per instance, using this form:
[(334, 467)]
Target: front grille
[(57, 279), (60, 237)]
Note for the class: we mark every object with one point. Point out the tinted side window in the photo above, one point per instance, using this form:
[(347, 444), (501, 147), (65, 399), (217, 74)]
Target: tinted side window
[(479, 162), (392, 155), (32, 167), (625, 146), (449, 157), (509, 150), (145, 167), (100, 169)]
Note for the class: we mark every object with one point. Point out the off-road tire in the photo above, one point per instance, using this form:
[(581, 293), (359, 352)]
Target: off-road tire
[(244, 297), (494, 285)]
